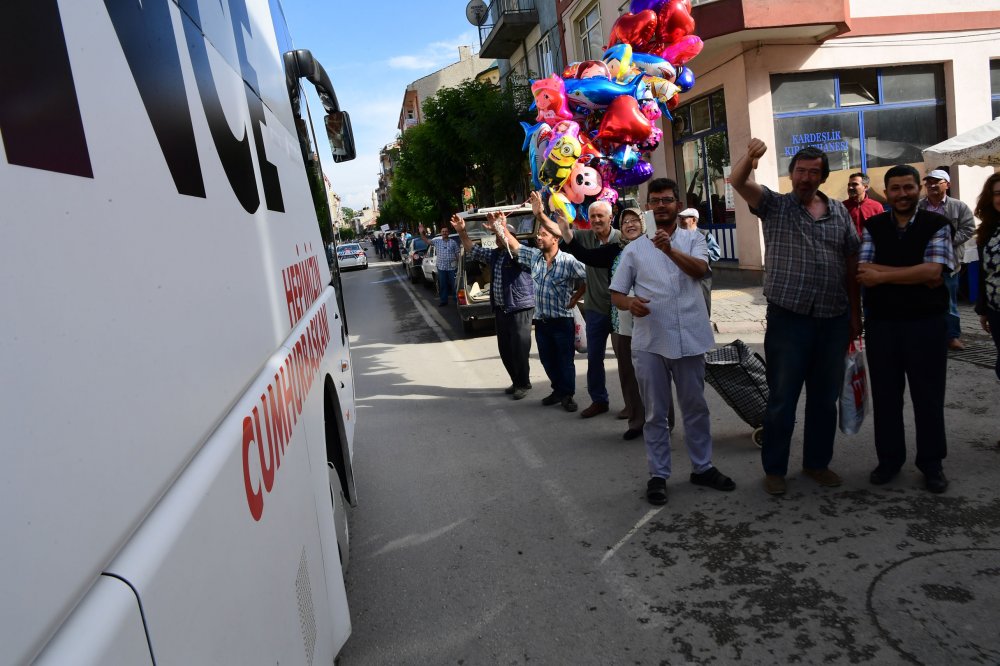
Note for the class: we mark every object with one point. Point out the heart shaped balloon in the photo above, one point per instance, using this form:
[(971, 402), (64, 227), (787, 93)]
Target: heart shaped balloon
[(683, 51), (638, 30), (624, 122), (675, 22)]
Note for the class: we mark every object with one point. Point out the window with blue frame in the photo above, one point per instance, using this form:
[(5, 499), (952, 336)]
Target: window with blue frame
[(703, 166), (864, 119)]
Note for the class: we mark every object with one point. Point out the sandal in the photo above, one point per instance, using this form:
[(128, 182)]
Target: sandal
[(656, 491)]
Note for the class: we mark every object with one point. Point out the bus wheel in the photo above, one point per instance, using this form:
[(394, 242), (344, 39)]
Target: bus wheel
[(340, 518)]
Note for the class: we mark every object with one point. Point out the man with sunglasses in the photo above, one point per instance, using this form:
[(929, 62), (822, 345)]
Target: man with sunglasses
[(813, 309)]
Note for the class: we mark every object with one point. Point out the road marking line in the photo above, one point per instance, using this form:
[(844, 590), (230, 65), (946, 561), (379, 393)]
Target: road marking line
[(527, 452), (427, 315), (628, 535)]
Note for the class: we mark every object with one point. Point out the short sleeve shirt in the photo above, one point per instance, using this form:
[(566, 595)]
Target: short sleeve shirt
[(805, 259), (554, 286), (677, 325)]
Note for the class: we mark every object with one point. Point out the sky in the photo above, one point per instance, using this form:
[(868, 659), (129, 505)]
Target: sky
[(372, 50)]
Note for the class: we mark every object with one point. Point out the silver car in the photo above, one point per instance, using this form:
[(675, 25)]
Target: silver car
[(351, 255)]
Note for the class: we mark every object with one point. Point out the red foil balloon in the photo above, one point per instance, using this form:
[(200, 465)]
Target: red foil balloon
[(624, 122), (638, 30), (675, 23)]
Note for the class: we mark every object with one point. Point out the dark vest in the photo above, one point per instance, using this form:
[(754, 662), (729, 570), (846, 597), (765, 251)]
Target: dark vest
[(518, 288), (904, 301)]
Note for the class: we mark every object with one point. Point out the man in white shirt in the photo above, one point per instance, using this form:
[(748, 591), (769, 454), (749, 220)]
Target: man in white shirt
[(671, 333)]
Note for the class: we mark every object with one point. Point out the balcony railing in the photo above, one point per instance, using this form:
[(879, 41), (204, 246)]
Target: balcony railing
[(506, 25)]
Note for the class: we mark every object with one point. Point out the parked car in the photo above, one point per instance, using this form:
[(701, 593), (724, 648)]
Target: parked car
[(473, 279), (413, 255), (351, 255), (428, 266)]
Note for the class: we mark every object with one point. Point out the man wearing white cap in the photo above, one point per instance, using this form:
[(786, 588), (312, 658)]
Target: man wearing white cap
[(688, 219), (963, 225)]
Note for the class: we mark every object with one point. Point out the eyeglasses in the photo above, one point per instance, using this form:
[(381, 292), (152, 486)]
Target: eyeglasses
[(656, 201)]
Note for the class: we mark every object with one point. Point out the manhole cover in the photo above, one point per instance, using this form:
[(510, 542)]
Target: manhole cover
[(979, 353)]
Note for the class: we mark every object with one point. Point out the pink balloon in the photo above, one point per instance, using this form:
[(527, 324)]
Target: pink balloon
[(683, 51), (550, 98)]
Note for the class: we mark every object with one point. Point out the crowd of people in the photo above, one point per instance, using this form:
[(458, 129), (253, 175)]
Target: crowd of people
[(836, 272)]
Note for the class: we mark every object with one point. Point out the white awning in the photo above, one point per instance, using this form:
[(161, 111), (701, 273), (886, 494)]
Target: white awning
[(977, 147)]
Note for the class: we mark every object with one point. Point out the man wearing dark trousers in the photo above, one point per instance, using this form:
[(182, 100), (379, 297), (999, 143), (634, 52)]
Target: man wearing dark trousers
[(811, 252), (904, 255), (512, 297)]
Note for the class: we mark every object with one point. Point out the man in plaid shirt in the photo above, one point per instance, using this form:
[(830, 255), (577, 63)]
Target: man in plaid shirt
[(813, 309), (904, 256), (446, 253), (560, 281)]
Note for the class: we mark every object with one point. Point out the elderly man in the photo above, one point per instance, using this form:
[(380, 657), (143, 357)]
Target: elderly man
[(597, 306), (859, 205), (963, 225), (813, 310), (670, 336)]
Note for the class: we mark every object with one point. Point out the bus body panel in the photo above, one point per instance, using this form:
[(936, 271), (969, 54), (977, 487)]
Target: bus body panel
[(136, 317), (105, 628)]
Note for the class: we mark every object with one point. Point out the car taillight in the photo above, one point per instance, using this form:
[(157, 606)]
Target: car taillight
[(461, 297)]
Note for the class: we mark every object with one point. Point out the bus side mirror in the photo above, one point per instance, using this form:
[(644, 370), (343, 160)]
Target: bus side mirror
[(338, 131)]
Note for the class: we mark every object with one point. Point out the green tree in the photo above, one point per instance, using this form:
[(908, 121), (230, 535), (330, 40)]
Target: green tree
[(470, 137), (348, 213)]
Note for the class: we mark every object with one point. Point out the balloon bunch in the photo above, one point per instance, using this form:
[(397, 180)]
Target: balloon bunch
[(596, 121)]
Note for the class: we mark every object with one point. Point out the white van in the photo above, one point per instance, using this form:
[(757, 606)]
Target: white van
[(178, 405)]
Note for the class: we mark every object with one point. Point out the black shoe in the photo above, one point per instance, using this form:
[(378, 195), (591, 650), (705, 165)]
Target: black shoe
[(569, 404), (552, 399), (935, 482), (881, 476), (519, 393), (656, 491), (713, 478), (632, 433)]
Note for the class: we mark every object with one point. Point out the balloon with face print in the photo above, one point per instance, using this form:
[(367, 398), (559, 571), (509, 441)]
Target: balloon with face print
[(550, 99), (584, 181)]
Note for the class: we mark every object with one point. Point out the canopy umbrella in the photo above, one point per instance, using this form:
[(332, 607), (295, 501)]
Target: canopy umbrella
[(979, 146)]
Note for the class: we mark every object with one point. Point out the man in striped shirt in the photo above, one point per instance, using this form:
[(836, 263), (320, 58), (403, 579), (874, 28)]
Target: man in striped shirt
[(560, 281)]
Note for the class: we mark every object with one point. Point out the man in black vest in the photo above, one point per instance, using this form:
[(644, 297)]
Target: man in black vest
[(904, 253)]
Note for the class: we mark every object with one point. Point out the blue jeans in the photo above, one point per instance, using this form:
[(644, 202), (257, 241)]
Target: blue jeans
[(554, 338), (598, 330), (802, 350), (446, 285), (954, 323)]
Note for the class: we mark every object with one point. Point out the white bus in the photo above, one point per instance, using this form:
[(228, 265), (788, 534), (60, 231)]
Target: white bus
[(177, 409)]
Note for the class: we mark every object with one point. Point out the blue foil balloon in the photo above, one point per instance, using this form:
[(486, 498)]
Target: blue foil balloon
[(685, 79), (625, 157)]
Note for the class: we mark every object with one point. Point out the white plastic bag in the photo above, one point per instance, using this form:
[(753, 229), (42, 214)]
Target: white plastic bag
[(854, 393), (579, 331)]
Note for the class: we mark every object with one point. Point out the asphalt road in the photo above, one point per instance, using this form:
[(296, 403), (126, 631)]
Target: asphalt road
[(497, 532)]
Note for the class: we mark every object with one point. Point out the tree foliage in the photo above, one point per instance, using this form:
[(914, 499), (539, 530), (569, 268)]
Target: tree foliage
[(470, 137)]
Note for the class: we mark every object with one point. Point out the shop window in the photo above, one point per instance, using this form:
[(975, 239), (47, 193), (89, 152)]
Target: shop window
[(912, 84), (591, 37), (703, 167), (803, 92), (881, 117), (836, 134), (995, 86), (859, 87), (896, 136)]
